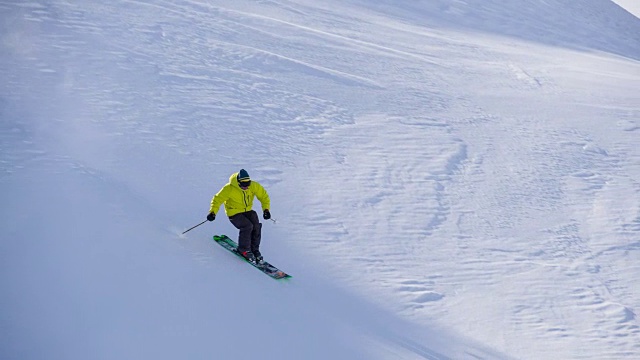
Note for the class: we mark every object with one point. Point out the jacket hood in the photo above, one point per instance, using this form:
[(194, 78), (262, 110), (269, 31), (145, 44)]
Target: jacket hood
[(233, 179)]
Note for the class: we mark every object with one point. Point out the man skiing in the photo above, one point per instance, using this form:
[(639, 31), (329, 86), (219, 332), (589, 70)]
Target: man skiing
[(237, 196)]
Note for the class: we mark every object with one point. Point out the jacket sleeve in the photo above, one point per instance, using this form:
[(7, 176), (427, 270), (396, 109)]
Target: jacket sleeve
[(263, 197), (218, 199)]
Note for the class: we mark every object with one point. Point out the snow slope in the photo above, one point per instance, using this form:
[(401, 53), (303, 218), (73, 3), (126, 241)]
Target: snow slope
[(631, 6), (465, 172)]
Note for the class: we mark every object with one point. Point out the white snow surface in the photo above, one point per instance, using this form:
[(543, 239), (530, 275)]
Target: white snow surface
[(632, 6), (450, 179)]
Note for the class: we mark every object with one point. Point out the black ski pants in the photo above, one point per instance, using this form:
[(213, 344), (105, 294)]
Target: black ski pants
[(250, 230)]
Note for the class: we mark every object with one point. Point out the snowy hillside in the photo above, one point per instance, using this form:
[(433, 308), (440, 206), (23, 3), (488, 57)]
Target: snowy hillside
[(450, 179), (631, 6)]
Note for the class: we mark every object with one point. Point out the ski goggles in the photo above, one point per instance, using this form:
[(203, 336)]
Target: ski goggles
[(244, 184)]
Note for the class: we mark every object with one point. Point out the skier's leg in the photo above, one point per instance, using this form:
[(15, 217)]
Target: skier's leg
[(244, 224), (256, 233)]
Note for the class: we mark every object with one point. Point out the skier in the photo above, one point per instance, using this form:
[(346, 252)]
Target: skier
[(237, 196)]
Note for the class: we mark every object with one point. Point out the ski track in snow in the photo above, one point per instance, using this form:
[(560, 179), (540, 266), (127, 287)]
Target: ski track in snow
[(515, 225)]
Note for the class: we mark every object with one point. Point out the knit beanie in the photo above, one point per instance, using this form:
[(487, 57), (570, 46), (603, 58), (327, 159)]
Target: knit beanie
[(243, 176)]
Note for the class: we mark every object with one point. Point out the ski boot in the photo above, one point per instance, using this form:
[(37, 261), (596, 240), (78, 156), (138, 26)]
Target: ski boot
[(248, 255), (258, 256)]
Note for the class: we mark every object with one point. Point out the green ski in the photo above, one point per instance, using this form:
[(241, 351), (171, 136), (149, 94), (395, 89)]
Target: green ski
[(265, 267)]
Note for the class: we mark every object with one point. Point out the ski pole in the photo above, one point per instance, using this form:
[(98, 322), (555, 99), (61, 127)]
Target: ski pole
[(194, 227)]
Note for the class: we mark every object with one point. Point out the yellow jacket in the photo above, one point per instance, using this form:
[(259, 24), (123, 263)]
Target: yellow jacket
[(237, 200)]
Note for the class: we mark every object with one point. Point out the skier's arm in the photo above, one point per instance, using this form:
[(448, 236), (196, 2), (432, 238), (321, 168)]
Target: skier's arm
[(218, 199), (262, 196)]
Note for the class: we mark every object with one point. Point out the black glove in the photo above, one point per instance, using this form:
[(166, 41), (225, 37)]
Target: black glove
[(211, 216), (266, 214)]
